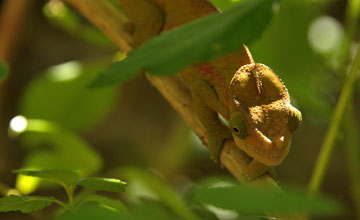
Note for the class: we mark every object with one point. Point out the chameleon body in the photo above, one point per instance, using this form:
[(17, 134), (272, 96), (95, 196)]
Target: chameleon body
[(250, 96)]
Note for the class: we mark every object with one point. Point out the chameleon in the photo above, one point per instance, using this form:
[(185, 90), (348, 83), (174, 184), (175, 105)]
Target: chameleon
[(248, 95)]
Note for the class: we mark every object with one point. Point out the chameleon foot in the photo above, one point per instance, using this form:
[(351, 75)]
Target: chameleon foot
[(216, 142)]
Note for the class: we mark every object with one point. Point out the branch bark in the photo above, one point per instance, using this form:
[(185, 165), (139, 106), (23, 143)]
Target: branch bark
[(13, 19), (172, 88), (108, 19)]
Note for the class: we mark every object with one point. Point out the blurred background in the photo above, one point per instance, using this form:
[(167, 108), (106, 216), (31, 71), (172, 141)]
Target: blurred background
[(48, 119)]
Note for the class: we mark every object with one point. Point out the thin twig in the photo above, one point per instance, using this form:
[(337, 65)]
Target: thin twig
[(331, 134)]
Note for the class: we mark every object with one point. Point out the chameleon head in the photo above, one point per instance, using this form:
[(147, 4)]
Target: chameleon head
[(262, 118)]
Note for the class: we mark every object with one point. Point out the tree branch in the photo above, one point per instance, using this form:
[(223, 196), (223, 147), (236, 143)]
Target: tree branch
[(107, 18)]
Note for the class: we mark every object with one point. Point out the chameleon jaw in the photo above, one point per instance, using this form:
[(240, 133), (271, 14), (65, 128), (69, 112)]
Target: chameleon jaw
[(268, 157)]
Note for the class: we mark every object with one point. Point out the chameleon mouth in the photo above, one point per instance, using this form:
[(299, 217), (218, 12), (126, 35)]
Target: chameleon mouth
[(275, 159), (268, 158), (271, 156)]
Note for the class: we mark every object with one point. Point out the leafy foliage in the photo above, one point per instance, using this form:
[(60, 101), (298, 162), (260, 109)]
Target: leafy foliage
[(63, 153), (69, 180), (194, 42), (92, 212), (255, 201), (102, 184), (24, 204), (104, 201), (162, 191), (62, 177), (153, 210)]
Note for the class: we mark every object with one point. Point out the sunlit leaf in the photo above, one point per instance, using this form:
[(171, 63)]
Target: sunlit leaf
[(3, 69), (63, 153), (62, 177), (194, 42), (103, 184), (252, 200), (104, 201), (24, 204)]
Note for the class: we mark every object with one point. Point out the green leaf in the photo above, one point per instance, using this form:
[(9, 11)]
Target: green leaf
[(62, 177), (94, 212), (163, 192), (202, 212), (25, 204), (60, 95), (256, 201), (222, 4), (103, 184), (3, 69), (103, 200), (200, 40), (150, 209)]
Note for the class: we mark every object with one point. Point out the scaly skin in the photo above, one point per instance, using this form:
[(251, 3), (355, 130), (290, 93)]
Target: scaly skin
[(251, 98)]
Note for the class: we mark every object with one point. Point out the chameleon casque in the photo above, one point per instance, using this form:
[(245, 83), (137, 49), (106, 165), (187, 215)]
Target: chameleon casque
[(250, 96)]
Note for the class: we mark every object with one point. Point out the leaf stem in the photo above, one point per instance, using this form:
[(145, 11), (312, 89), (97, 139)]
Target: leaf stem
[(60, 203), (328, 144), (70, 193), (351, 140)]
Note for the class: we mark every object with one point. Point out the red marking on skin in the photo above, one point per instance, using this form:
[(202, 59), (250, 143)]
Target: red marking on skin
[(218, 79), (208, 71)]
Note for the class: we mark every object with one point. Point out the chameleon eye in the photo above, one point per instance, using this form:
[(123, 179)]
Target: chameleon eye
[(236, 130), (238, 127)]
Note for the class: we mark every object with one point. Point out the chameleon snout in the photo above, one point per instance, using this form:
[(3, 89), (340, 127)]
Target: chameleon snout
[(277, 143)]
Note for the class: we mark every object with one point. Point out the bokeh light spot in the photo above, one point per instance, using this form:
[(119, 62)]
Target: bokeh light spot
[(325, 34), (56, 8), (65, 72), (18, 124)]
